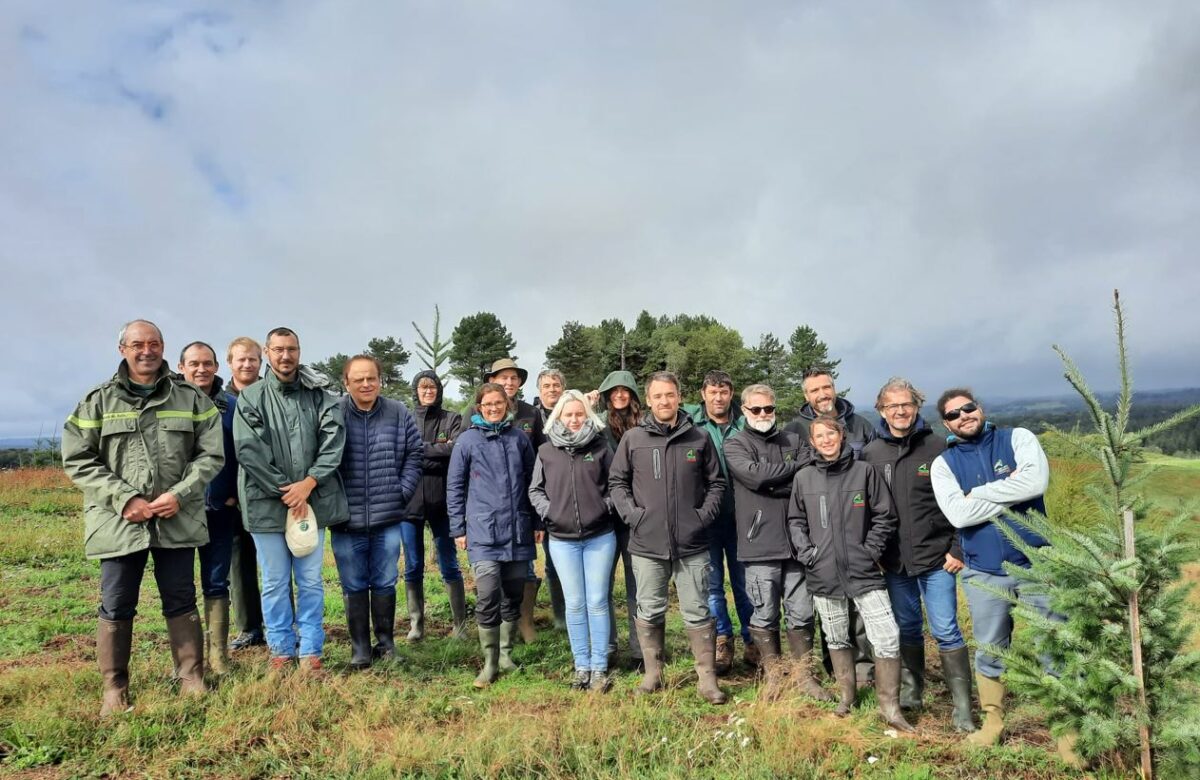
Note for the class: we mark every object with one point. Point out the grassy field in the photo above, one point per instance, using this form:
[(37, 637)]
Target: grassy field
[(419, 716)]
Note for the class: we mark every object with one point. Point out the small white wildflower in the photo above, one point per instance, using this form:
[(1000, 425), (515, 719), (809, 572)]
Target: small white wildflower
[(745, 741), (891, 733), (664, 740), (872, 759)]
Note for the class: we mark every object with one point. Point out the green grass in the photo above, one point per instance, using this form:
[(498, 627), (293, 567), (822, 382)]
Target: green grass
[(418, 716)]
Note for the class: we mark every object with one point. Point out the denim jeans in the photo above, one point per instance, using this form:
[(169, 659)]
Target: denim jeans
[(584, 567), (938, 588), (413, 535), (691, 577), (368, 560), (991, 615), (499, 589), (217, 556), (121, 581), (278, 566), (722, 551)]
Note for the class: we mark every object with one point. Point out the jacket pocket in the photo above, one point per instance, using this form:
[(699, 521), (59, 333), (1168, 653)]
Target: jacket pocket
[(657, 463), (522, 531), (824, 511), (482, 530), (636, 518), (755, 526)]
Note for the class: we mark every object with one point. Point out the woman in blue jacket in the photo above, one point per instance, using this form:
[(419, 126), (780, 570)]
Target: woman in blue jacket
[(491, 518)]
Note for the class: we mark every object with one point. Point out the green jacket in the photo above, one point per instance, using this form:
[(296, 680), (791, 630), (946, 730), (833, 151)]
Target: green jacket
[(118, 445), (736, 423), (282, 433)]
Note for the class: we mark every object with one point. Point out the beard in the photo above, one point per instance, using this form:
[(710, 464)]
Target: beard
[(762, 426)]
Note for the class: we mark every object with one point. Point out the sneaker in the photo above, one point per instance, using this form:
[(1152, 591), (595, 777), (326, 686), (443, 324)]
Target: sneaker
[(600, 682), (247, 639), (279, 663), (581, 680)]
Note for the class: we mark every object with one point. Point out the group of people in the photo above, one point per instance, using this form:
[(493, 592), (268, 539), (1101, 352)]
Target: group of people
[(863, 525)]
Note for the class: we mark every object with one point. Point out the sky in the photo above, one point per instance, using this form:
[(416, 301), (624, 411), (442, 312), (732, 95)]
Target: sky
[(941, 190)]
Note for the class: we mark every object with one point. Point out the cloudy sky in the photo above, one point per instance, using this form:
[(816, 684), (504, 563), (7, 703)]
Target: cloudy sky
[(940, 189)]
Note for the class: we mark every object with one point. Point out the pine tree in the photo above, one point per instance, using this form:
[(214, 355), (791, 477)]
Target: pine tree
[(478, 341), (1103, 589), (434, 352), (577, 356)]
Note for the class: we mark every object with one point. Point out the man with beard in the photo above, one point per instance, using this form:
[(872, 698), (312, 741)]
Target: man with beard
[(666, 483), (762, 461), (920, 561), (141, 447)]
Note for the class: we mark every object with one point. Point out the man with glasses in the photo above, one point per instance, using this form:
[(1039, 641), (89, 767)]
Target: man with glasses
[(762, 460), (983, 472), (141, 447), (289, 436), (921, 559)]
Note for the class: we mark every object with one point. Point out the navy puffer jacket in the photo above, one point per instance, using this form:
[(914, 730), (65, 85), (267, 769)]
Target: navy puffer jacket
[(381, 465), (487, 495)]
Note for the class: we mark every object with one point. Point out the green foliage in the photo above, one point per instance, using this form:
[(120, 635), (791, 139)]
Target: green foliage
[(577, 354), (434, 352), (478, 341), (1090, 580), (392, 356)]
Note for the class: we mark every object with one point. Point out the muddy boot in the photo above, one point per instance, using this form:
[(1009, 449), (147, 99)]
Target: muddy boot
[(652, 637), (1067, 753), (724, 655), (887, 691), (187, 650), (216, 634), (383, 618), (458, 608), (843, 671), (114, 639), (358, 626), (800, 643), (489, 643), (414, 593), (528, 602), (912, 676), (956, 671), (558, 603), (991, 701), (767, 642), (508, 631), (704, 649)]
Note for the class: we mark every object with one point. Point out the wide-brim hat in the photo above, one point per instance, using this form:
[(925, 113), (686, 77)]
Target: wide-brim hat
[(504, 363)]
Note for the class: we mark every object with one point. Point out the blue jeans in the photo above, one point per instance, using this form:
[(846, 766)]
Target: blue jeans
[(278, 566), (531, 572), (722, 550), (368, 561), (585, 568), (217, 555), (413, 535), (991, 615), (938, 588)]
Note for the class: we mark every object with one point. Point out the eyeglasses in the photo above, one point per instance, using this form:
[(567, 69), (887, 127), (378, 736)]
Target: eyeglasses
[(898, 407), (283, 350), (760, 409), (953, 414), (138, 346), (493, 404)]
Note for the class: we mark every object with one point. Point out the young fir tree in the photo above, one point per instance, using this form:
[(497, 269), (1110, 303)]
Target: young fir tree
[(434, 352), (1090, 580)]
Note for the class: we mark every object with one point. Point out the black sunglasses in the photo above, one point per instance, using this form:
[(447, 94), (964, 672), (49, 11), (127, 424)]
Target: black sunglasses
[(954, 414), (760, 409)]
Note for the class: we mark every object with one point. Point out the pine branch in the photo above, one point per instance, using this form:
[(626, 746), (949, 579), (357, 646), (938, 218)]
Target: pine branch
[(1125, 400), (1179, 417)]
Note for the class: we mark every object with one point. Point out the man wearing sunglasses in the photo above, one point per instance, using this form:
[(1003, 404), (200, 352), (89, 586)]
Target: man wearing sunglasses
[(762, 460), (984, 472)]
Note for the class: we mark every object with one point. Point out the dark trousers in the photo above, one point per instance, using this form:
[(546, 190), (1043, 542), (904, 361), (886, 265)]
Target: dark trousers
[(499, 588), (121, 579), (217, 556), (243, 583)]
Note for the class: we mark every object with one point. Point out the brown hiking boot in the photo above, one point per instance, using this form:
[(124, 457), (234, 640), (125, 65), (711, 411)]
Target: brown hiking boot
[(311, 666), (800, 643), (773, 670), (703, 641), (528, 602), (278, 664), (843, 670), (216, 634), (187, 650), (652, 637), (724, 656), (887, 691), (991, 701), (114, 639)]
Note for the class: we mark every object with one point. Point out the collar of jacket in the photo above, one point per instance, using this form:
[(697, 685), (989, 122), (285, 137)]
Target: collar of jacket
[(766, 435), (122, 378), (683, 422), (349, 407), (306, 378), (491, 429), (841, 407), (986, 432), (735, 417), (841, 463), (920, 428)]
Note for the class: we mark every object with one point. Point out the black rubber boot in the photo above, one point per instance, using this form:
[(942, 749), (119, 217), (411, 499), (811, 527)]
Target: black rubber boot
[(383, 619), (956, 670), (912, 676), (358, 625)]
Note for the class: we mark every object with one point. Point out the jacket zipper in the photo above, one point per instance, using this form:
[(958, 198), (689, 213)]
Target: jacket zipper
[(575, 498)]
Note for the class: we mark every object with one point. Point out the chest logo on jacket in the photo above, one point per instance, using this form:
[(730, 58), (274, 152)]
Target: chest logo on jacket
[(442, 438), (1001, 467), (526, 428), (691, 456), (587, 458), (923, 470), (857, 502)]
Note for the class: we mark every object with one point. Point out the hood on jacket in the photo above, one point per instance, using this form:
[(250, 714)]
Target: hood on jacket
[(841, 407), (885, 433), (841, 463), (651, 423), (432, 375), (619, 379)]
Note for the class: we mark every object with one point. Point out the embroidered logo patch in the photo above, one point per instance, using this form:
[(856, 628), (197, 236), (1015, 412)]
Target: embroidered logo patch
[(526, 428), (787, 457), (857, 502), (691, 456), (442, 437), (1001, 467), (588, 458), (923, 470)]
